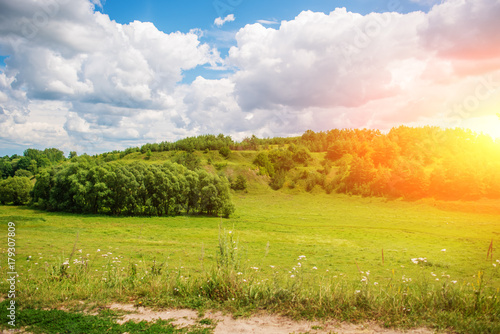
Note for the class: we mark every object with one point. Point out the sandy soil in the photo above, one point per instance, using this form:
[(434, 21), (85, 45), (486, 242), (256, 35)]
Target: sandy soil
[(261, 324)]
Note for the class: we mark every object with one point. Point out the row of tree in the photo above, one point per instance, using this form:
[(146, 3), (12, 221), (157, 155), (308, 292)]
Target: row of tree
[(87, 186), (30, 162)]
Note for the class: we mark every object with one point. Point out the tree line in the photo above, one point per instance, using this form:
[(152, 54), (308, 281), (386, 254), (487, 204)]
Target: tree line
[(138, 189), (30, 162), (405, 162), (410, 162)]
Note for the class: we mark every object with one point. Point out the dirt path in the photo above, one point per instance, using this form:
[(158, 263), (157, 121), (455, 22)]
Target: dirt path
[(261, 324)]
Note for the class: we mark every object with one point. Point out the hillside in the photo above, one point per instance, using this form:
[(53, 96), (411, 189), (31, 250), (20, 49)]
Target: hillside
[(409, 163)]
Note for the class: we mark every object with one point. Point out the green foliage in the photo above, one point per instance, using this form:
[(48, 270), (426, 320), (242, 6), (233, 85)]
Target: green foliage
[(411, 163), (23, 163), (281, 159), (15, 190), (6, 169), (240, 183), (220, 165), (225, 151), (187, 159), (23, 173), (134, 189), (190, 144), (264, 164), (301, 155), (31, 162), (314, 178), (278, 180)]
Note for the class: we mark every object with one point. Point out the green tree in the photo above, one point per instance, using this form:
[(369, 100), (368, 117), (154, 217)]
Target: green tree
[(281, 159), (42, 188), (23, 163), (6, 168), (15, 190)]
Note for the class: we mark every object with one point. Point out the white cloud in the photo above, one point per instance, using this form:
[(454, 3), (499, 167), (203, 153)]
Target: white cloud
[(319, 60), (268, 22), (89, 83), (219, 22), (105, 70), (377, 70)]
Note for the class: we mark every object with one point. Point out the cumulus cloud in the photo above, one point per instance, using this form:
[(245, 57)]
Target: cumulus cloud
[(464, 31), (108, 85), (376, 70), (319, 60), (219, 22), (106, 71)]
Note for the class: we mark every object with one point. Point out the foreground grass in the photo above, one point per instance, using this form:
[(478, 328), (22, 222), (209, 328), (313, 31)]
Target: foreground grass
[(304, 256)]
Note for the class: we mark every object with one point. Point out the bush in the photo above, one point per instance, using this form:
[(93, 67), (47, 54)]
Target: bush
[(240, 183), (225, 151), (278, 180)]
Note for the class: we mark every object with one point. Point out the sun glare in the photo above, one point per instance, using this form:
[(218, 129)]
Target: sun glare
[(488, 125)]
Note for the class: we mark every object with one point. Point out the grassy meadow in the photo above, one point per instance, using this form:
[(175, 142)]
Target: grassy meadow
[(304, 255)]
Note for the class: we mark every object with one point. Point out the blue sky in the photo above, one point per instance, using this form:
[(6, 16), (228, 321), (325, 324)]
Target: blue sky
[(95, 76), (182, 16)]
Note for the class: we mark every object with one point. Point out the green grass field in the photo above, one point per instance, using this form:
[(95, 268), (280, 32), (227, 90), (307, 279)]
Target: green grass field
[(302, 255)]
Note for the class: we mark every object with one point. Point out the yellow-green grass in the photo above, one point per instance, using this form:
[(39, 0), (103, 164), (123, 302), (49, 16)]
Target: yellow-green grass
[(352, 246)]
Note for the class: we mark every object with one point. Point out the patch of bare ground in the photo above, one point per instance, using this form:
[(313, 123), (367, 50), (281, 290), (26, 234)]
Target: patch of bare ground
[(261, 324)]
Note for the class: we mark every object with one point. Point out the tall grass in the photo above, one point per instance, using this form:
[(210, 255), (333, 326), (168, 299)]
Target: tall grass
[(231, 283)]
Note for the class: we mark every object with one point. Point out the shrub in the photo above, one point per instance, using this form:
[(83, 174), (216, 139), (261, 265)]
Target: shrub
[(240, 183)]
